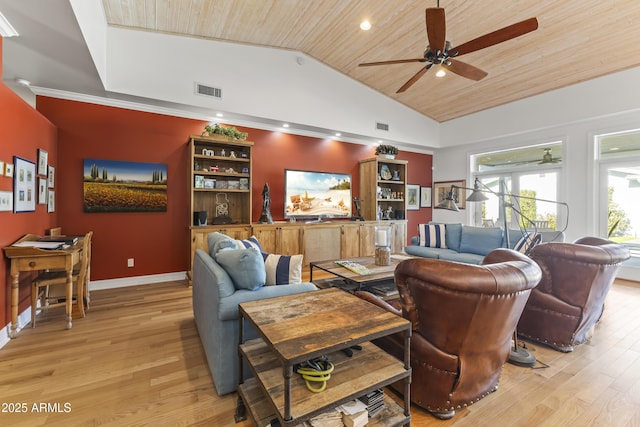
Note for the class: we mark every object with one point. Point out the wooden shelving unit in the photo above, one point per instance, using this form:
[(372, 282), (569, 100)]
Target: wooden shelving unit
[(214, 160), (383, 184)]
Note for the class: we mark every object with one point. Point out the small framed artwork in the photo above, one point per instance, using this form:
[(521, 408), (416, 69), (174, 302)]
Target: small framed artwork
[(6, 201), (42, 191), (425, 197), (24, 185), (1, 168), (43, 161), (413, 197), (51, 177), (8, 170), (442, 189), (51, 201)]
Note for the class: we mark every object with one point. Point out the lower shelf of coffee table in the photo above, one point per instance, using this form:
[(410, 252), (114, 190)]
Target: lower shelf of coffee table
[(369, 369)]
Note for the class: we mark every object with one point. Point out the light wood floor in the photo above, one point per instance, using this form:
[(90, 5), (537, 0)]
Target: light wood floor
[(136, 360)]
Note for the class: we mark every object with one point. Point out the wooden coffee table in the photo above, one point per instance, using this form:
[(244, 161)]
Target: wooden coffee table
[(352, 281), (296, 328)]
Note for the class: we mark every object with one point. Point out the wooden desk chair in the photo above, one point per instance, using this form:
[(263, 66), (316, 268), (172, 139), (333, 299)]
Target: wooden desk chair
[(56, 231), (50, 286)]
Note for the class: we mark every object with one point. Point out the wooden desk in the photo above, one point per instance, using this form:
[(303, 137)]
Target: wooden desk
[(25, 258)]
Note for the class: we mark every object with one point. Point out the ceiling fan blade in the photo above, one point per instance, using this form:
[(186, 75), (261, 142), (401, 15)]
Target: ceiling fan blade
[(465, 70), (436, 28), (396, 61), (414, 79), (498, 36)]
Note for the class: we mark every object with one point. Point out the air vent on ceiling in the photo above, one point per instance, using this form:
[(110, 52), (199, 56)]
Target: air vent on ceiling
[(382, 126), (208, 91)]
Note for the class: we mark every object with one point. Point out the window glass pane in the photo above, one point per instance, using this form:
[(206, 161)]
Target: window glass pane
[(536, 213), (491, 210), (623, 214), (523, 157), (620, 144)]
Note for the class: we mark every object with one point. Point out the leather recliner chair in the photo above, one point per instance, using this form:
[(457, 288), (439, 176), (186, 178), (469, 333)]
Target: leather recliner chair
[(564, 308), (463, 317)]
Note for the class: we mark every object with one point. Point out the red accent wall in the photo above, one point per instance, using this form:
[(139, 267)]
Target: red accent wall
[(159, 241), (22, 132)]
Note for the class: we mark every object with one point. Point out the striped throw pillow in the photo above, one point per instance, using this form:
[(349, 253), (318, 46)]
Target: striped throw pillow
[(432, 235), (283, 269), (251, 242), (527, 242)]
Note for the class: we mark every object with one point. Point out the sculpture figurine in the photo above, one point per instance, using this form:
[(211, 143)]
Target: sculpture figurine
[(265, 217)]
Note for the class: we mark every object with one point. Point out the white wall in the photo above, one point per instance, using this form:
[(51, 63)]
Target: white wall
[(574, 115)]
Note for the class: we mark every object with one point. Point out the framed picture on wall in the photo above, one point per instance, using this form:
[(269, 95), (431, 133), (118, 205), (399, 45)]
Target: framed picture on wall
[(42, 191), (24, 185), (51, 176), (425, 197), (441, 189), (43, 161), (413, 197), (6, 201), (51, 202)]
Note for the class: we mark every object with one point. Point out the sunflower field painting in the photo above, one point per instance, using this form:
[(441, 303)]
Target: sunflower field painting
[(117, 186)]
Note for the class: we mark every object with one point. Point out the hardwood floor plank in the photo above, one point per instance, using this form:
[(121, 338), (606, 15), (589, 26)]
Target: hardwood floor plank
[(136, 360)]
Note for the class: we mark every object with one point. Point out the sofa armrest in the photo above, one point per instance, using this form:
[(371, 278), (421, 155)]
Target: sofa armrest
[(368, 296)]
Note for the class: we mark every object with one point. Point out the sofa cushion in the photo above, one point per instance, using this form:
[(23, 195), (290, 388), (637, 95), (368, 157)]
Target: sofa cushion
[(245, 266), (432, 235), (283, 269), (425, 252), (461, 257), (453, 233), (480, 240)]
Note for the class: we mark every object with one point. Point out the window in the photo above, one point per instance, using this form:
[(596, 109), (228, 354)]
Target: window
[(619, 155), (528, 173)]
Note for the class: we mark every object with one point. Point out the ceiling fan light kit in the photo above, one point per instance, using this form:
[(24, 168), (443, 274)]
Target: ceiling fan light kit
[(440, 54)]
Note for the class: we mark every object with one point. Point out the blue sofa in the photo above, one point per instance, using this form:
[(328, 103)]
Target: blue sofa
[(470, 244), (215, 309)]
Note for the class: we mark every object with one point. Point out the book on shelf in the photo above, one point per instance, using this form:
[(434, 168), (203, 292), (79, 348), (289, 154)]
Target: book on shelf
[(385, 290)]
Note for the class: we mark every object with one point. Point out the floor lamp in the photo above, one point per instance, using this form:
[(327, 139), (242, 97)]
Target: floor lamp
[(518, 356)]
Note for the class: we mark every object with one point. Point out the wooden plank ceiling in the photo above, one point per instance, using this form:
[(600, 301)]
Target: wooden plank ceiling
[(577, 40)]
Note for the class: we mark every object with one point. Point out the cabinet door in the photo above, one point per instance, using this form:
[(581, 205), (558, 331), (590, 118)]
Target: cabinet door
[(350, 241), (398, 237), (367, 240), (267, 236), (289, 241)]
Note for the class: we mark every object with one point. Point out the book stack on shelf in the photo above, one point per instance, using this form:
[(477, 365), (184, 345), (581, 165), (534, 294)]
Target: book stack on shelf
[(374, 401)]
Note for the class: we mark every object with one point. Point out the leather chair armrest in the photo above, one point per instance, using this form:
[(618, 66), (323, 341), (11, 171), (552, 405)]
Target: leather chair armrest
[(368, 296)]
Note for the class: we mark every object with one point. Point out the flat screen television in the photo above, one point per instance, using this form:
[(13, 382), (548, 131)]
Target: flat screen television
[(320, 195)]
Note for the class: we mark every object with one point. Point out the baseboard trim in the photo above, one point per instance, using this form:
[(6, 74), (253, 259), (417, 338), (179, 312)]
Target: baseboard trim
[(24, 319), (96, 285)]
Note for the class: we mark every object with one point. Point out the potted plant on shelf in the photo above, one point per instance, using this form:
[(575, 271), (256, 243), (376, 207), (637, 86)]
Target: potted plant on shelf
[(228, 131), (386, 151)]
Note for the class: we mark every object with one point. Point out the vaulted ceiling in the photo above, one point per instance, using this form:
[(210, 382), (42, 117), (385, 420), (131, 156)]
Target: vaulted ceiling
[(577, 40)]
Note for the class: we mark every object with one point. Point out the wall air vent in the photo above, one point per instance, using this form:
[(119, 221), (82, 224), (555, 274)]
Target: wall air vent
[(208, 91), (382, 126)]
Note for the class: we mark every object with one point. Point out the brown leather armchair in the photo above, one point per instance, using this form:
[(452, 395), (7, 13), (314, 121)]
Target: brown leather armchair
[(564, 308), (463, 317)]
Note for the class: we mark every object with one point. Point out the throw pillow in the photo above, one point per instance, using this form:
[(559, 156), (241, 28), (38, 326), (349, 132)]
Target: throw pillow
[(283, 269), (245, 267), (218, 241), (432, 235), (527, 242), (251, 242)]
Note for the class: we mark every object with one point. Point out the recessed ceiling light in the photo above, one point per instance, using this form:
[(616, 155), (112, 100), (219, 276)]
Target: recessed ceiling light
[(614, 148), (365, 25), (338, 134), (23, 82), (285, 125), (219, 115)]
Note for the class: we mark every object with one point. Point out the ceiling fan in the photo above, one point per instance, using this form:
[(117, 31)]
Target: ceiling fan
[(548, 157), (439, 51)]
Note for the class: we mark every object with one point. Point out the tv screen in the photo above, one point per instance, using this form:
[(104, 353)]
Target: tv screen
[(317, 194)]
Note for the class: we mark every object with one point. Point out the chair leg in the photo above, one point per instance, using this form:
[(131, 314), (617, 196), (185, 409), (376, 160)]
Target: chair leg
[(34, 301)]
